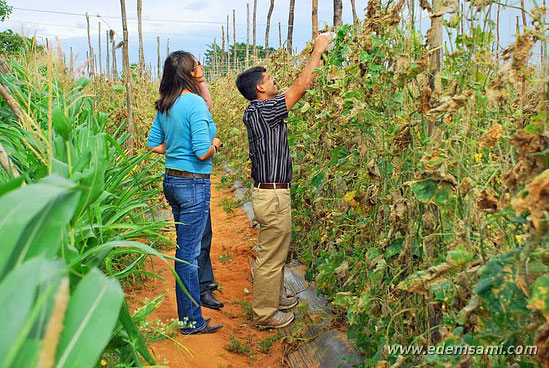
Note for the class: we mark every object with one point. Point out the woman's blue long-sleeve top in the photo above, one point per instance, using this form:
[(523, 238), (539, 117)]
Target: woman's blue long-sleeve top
[(188, 131)]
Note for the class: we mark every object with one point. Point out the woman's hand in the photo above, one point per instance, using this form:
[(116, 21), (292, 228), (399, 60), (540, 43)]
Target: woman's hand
[(158, 149)]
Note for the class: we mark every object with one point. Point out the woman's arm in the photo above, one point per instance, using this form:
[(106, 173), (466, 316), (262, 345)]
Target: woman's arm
[(205, 94)]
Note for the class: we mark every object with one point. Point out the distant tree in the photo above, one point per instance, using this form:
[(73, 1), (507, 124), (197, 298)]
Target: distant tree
[(240, 53), (11, 42), (5, 10)]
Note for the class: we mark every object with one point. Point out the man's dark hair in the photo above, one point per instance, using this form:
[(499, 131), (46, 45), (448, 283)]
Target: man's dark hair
[(248, 80)]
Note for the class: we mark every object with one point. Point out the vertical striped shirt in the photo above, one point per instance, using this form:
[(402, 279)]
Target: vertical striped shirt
[(268, 140)]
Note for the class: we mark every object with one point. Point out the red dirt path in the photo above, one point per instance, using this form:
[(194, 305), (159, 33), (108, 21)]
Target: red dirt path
[(232, 235)]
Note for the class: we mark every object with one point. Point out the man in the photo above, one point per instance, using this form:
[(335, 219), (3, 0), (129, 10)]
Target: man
[(272, 173)]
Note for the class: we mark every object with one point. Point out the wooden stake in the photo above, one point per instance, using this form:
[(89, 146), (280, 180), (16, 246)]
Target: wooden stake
[(222, 49), (254, 26), (248, 35), (228, 47), (167, 48), (100, 61), (113, 44), (338, 9), (290, 26), (140, 32), (127, 77), (108, 73), (159, 61), (71, 67), (314, 20), (353, 9), (234, 40), (268, 28), (90, 55), (279, 36), (215, 57)]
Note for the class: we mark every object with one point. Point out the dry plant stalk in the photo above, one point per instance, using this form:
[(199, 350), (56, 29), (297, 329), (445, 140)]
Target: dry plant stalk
[(55, 326)]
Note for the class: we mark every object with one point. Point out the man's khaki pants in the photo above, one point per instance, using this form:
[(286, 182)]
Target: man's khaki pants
[(272, 210)]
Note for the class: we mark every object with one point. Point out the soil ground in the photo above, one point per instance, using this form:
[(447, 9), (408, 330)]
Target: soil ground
[(232, 243)]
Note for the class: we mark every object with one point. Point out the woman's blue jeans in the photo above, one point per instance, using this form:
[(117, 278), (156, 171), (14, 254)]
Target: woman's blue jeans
[(190, 202)]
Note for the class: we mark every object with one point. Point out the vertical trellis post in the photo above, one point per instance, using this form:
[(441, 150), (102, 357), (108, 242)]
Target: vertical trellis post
[(247, 35), (254, 31), (228, 47), (268, 28), (127, 77), (113, 44), (90, 54), (279, 36), (100, 60), (290, 26), (234, 40), (215, 58), (222, 49), (159, 75), (314, 19), (140, 32), (338, 9), (108, 66)]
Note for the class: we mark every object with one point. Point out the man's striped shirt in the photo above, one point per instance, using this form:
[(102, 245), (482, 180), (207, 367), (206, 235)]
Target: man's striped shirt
[(268, 140)]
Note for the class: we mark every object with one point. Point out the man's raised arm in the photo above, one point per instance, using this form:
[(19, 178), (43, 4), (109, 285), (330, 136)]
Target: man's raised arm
[(306, 78)]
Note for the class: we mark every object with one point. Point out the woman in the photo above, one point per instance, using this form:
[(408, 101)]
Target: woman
[(184, 131)]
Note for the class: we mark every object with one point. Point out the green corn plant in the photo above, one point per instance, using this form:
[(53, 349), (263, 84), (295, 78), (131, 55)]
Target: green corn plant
[(84, 204)]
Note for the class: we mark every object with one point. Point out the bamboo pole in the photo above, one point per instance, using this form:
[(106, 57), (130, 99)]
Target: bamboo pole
[(248, 35), (100, 61), (268, 28), (127, 77), (254, 29), (158, 61), (234, 41), (140, 32), (90, 55), (314, 19)]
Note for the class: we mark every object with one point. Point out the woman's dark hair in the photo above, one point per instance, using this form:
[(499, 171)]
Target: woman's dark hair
[(248, 80), (175, 78)]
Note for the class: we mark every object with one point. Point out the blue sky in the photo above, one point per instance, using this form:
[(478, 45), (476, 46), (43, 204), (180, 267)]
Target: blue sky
[(189, 25)]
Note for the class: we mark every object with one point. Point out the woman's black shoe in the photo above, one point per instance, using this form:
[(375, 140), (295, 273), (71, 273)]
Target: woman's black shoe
[(206, 330), (209, 301)]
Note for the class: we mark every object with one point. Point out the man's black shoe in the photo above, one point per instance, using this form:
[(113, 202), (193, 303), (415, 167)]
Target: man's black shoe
[(209, 301)]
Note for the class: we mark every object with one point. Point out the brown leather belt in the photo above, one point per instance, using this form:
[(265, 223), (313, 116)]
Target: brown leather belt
[(186, 174), (272, 185)]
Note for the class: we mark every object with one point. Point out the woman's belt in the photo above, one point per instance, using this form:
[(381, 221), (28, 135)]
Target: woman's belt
[(186, 174)]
